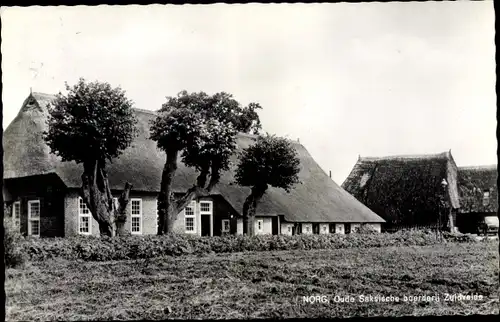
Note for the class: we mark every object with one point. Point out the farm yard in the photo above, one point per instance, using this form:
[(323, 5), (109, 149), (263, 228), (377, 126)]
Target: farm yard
[(261, 284)]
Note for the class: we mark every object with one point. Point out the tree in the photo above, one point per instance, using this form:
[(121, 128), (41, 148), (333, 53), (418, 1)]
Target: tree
[(201, 129), (271, 161), (92, 125)]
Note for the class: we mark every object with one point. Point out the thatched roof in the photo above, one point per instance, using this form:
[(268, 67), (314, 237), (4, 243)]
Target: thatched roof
[(317, 199), (403, 186), (472, 183)]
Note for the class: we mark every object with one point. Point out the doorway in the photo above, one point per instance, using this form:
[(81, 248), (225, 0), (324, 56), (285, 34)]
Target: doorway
[(205, 225), (275, 225)]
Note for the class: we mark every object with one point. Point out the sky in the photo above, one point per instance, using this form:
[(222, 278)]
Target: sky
[(346, 79)]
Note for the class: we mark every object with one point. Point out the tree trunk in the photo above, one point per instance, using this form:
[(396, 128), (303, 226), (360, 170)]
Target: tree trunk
[(96, 193), (166, 198), (250, 207)]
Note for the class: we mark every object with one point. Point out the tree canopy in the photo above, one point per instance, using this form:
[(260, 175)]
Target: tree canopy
[(93, 121), (270, 161)]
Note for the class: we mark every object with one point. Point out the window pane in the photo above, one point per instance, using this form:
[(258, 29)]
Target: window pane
[(189, 211), (136, 224), (84, 210), (136, 207), (35, 228), (84, 224), (17, 210), (189, 224), (225, 225), (205, 206), (34, 209)]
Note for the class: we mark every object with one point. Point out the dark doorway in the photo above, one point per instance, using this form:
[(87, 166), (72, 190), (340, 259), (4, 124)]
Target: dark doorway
[(275, 225), (347, 228), (205, 225), (316, 228)]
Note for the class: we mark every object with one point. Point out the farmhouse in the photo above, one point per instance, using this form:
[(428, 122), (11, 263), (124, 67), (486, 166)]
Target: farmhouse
[(407, 191), (42, 192), (477, 187)]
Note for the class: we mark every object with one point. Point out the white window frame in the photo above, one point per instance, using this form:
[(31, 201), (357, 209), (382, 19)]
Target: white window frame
[(260, 222), (80, 215), (16, 221), (191, 205), (228, 225), (132, 215), (31, 220), (209, 212), (156, 225)]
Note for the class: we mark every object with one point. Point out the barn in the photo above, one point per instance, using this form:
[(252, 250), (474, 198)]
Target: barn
[(42, 192), (477, 186), (408, 191)]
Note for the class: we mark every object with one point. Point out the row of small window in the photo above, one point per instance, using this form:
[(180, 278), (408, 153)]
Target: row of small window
[(324, 228), (85, 216), (33, 216)]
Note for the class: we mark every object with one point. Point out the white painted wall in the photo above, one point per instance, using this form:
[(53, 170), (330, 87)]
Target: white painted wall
[(324, 229), (286, 229), (307, 229), (339, 229), (267, 226), (239, 226)]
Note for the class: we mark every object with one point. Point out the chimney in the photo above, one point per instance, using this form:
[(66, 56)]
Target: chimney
[(330, 173), (298, 140)]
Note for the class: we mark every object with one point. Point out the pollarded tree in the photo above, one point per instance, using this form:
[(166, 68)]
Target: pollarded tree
[(202, 130), (92, 124), (271, 161)]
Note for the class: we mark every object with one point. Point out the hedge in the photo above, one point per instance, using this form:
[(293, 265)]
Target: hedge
[(91, 248)]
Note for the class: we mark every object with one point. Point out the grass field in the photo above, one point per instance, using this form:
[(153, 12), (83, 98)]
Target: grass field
[(258, 285)]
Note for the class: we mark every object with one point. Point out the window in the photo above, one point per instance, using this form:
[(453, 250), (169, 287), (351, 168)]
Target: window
[(225, 225), (486, 197), (260, 225), (206, 207), (16, 214), (84, 218), (289, 229), (115, 203), (136, 216), (308, 229), (189, 218), (34, 217), (324, 228)]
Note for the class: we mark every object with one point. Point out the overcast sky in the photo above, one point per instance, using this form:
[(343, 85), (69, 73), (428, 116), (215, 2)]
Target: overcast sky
[(369, 79)]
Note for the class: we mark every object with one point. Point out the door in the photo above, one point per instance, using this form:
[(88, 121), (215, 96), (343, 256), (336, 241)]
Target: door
[(205, 225), (275, 225)]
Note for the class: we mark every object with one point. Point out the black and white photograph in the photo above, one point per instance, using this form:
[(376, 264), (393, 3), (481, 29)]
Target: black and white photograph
[(249, 161)]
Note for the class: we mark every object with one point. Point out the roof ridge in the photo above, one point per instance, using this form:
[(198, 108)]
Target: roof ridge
[(404, 156), (478, 167)]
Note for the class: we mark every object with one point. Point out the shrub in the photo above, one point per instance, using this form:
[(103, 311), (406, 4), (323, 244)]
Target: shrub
[(13, 242), (136, 247), (366, 229)]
